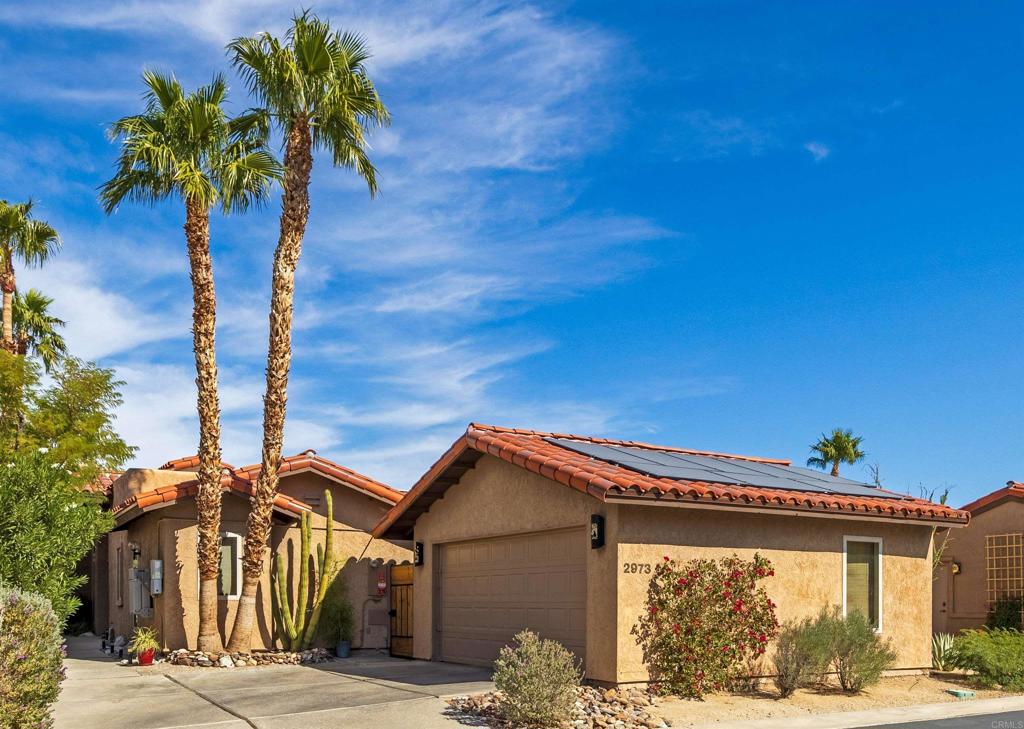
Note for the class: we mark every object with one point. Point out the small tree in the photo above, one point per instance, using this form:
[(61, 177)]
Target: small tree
[(704, 621), (842, 446), (47, 524), (538, 680), (31, 653)]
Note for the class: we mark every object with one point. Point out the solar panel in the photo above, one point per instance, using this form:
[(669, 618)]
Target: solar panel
[(692, 467)]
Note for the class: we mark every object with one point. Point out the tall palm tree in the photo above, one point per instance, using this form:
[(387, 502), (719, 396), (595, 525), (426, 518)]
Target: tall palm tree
[(35, 328), (185, 146), (25, 238), (315, 87), (840, 447)]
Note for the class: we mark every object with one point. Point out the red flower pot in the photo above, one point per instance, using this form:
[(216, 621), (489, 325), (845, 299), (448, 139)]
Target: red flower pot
[(146, 657)]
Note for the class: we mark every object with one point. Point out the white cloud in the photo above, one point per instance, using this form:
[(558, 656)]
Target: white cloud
[(702, 134), (817, 150)]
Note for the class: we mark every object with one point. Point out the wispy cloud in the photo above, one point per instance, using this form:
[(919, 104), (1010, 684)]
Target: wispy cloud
[(702, 134), (818, 150)]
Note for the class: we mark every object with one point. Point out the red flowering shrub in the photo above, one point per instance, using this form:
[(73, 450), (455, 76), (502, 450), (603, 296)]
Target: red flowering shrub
[(704, 622)]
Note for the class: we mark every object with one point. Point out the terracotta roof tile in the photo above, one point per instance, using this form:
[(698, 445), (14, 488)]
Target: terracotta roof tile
[(187, 463), (1012, 490), (104, 483), (530, 450), (309, 460)]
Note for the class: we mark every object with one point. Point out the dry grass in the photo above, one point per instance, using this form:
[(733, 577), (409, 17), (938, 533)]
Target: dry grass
[(897, 691)]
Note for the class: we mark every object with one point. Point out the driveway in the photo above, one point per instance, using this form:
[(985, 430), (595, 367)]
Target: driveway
[(367, 690)]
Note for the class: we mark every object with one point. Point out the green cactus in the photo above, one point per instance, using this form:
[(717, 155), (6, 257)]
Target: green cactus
[(298, 630)]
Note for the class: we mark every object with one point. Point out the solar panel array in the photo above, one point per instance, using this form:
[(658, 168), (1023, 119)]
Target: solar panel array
[(717, 469)]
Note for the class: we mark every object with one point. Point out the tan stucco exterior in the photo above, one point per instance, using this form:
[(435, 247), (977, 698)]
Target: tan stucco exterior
[(170, 534), (496, 498), (961, 600)]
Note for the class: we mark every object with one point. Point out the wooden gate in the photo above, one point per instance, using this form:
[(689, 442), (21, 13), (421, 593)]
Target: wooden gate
[(401, 610)]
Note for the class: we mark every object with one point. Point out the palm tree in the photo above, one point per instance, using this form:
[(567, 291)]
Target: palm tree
[(315, 87), (25, 238), (35, 329), (185, 146), (840, 447)]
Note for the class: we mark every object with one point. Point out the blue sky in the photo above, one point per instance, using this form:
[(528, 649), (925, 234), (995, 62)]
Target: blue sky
[(718, 225)]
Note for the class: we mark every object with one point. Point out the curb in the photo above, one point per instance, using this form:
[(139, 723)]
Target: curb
[(895, 715)]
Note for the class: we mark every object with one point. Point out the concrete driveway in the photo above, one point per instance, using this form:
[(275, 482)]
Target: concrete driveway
[(367, 690)]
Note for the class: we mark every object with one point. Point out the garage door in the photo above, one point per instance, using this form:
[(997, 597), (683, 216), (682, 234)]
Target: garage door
[(493, 588)]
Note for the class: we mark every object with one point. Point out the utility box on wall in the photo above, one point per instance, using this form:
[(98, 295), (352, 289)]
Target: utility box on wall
[(138, 593)]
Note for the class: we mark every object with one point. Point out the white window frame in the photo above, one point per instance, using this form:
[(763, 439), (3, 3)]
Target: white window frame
[(847, 538), (237, 592), (238, 567)]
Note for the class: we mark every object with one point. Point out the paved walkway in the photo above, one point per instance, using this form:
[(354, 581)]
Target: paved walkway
[(367, 691)]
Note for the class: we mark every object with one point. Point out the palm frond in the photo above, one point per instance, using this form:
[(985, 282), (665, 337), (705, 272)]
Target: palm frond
[(37, 328)]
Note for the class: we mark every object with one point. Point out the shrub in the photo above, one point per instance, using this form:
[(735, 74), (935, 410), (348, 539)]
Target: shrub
[(47, 524), (31, 653), (704, 621), (538, 680), (337, 621), (943, 655), (802, 655), (859, 655), (996, 655), (1005, 613)]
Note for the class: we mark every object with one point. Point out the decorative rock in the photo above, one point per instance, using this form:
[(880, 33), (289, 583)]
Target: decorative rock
[(226, 662), (185, 657), (594, 709)]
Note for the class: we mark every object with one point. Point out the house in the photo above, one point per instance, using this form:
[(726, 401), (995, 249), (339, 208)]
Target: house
[(156, 530), (981, 563), (559, 533)]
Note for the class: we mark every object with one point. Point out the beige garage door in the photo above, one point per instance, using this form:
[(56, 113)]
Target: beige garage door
[(493, 588)]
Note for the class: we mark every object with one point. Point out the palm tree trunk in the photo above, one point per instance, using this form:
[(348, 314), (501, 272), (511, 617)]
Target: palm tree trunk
[(208, 499), (298, 163), (835, 469), (8, 284)]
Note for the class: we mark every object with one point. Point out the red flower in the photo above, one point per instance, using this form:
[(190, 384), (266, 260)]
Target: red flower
[(682, 581), (675, 628), (667, 558), (654, 610), (763, 638), (737, 606)]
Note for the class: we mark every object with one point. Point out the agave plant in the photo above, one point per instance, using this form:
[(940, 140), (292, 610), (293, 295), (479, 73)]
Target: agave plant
[(943, 658)]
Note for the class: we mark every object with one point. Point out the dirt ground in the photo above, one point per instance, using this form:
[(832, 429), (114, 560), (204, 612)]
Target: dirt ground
[(897, 691)]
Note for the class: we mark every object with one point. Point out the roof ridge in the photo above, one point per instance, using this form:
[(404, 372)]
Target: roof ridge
[(628, 443)]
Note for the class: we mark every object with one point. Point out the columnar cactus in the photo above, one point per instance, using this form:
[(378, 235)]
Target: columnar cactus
[(293, 619)]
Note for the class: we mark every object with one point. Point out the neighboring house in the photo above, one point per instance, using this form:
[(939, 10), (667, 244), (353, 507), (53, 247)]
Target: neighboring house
[(560, 533), (156, 520), (981, 563)]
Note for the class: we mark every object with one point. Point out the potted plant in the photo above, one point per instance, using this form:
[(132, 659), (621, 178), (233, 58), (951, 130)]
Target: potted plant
[(345, 620), (144, 644)]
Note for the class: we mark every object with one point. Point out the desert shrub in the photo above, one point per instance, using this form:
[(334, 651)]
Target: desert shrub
[(1005, 613), (704, 621), (802, 655), (943, 654), (859, 655), (538, 680), (996, 655), (31, 653), (337, 619)]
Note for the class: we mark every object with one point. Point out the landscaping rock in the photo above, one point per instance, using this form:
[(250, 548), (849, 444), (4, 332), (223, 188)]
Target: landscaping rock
[(185, 657), (594, 709)]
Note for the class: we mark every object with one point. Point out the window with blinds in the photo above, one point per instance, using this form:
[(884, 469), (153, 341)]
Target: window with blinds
[(863, 579)]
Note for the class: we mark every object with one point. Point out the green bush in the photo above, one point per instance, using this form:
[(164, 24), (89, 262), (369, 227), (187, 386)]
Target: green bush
[(47, 524), (31, 654), (859, 655), (704, 622), (802, 655), (943, 654), (337, 621), (1005, 613), (538, 681), (996, 655)]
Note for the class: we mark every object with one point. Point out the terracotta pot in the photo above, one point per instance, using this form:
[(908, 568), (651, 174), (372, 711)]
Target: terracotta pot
[(146, 657)]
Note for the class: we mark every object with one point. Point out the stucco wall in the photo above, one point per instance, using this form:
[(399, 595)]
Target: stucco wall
[(807, 553), (171, 534), (496, 498), (961, 601)]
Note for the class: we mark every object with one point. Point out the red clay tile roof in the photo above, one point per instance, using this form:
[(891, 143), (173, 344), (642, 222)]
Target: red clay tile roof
[(310, 461), (1012, 490), (172, 493), (528, 449), (187, 463), (104, 483)]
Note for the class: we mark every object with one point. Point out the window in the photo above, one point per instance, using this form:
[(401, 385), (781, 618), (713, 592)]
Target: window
[(230, 583), (1004, 558), (120, 576), (862, 578)]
